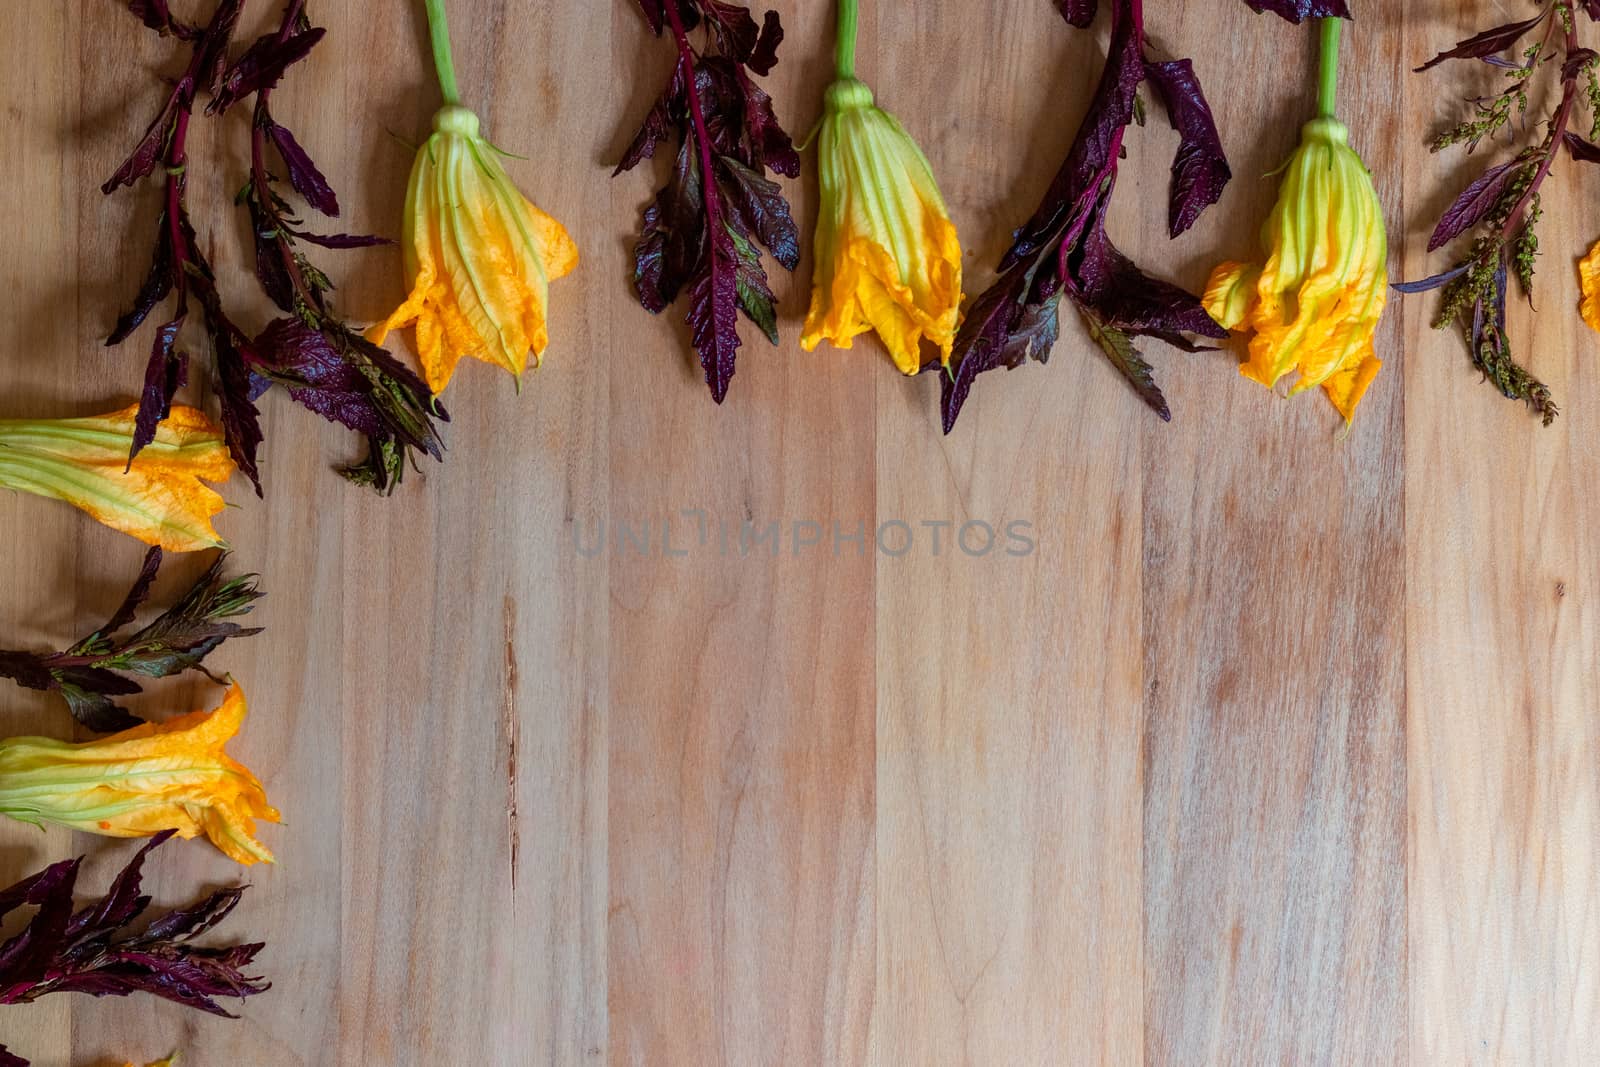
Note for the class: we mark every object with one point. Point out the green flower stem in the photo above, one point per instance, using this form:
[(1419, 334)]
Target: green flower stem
[(443, 62), (844, 49), (1328, 68)]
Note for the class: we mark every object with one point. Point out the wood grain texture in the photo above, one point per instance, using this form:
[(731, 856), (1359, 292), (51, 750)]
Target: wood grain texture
[(1503, 652), (1274, 833), (1278, 747), (1008, 684)]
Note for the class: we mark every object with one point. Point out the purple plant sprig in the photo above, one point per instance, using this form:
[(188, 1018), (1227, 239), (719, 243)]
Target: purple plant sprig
[(104, 665), (179, 268), (1064, 250), (705, 229), (1500, 209), (322, 362), (91, 950)]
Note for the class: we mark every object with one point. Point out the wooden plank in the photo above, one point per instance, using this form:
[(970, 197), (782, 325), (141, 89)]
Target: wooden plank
[(475, 695), (742, 692), (1008, 685), (38, 378), (1503, 639), (1274, 847)]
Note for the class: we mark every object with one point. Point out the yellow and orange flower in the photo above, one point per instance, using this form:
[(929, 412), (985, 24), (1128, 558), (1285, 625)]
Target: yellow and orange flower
[(479, 257), (170, 1061), (160, 498), (1315, 304), (888, 258), (171, 776), (1589, 280)]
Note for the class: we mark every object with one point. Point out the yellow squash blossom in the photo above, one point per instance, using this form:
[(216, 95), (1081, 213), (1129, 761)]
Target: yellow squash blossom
[(160, 498), (170, 1061), (887, 255), (1314, 305), (479, 257), (171, 776), (1589, 278)]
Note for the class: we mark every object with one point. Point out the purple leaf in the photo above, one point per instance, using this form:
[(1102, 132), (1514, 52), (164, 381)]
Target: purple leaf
[(1476, 201), (653, 14), (1582, 150), (241, 421), (657, 125), (156, 288), (1118, 349), (713, 312), (669, 245), (1106, 281), (164, 375), (304, 176), (1488, 42), (1438, 281), (1078, 12), (342, 240), (154, 14), (764, 56), (760, 208), (1200, 171), (317, 376), (262, 65), (136, 595), (142, 162), (1299, 10)]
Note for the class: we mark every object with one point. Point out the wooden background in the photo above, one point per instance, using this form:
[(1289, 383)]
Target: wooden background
[(1282, 748)]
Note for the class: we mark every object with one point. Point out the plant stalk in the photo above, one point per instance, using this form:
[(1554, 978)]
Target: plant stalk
[(844, 49), (1328, 68), (443, 61)]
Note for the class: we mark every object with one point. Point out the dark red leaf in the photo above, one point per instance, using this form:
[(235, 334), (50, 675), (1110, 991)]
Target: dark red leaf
[(262, 65), (342, 240), (1487, 43), (759, 205), (1476, 201), (155, 15), (1200, 171), (670, 244), (137, 595), (1581, 149), (1299, 10), (658, 124), (652, 14), (147, 154), (764, 56), (156, 288), (304, 176), (1078, 12), (713, 312), (164, 375), (1104, 280)]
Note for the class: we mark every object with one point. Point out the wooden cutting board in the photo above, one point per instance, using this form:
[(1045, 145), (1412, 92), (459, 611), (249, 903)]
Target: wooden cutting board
[(1281, 746)]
